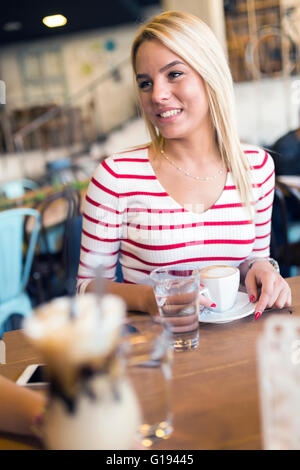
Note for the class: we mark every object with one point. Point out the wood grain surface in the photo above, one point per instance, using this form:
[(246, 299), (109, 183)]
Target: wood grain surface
[(215, 399)]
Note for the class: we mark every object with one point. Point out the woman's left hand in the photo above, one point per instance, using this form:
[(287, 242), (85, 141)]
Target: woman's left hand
[(275, 291)]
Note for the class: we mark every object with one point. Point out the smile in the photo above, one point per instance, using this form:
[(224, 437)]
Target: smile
[(170, 113)]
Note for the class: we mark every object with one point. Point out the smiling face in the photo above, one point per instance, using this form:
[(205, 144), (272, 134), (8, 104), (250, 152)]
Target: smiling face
[(172, 93)]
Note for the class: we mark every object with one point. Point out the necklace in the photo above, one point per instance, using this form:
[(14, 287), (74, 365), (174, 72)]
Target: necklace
[(186, 173)]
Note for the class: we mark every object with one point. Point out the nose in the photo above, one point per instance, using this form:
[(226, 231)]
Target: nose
[(160, 91)]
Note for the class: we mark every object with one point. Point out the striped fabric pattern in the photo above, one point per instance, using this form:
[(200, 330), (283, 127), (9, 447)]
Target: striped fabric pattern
[(128, 215)]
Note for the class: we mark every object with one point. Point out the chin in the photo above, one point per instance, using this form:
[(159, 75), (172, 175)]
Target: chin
[(170, 133), (173, 135), (177, 132)]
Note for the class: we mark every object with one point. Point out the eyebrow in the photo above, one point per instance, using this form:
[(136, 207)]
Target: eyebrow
[(163, 69)]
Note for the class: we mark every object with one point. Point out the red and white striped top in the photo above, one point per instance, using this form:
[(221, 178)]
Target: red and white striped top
[(129, 215)]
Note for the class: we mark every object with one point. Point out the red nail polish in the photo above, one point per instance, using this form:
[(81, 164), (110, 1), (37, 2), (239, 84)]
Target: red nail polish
[(213, 305), (252, 298), (258, 315)]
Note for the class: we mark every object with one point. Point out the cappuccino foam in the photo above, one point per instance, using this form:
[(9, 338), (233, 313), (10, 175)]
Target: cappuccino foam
[(216, 272)]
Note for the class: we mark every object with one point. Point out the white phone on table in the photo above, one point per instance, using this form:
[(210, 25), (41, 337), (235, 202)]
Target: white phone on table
[(33, 376)]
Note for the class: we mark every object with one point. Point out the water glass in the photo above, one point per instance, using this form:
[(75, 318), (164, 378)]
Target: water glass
[(150, 372), (177, 290)]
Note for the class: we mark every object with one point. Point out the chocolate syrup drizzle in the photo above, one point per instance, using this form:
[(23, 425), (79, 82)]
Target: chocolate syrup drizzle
[(85, 374)]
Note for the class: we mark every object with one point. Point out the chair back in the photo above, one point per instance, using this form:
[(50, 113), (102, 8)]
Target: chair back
[(285, 235), (17, 188), (71, 251), (49, 271), (15, 267), (48, 235)]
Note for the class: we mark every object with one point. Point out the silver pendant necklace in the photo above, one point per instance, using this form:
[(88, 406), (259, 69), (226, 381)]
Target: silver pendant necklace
[(186, 173)]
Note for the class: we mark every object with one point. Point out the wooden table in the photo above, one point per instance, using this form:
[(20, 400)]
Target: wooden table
[(214, 389)]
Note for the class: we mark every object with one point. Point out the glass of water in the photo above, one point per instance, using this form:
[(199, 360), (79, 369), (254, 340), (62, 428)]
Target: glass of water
[(177, 290)]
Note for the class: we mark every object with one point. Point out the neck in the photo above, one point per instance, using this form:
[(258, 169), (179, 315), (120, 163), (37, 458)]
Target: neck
[(198, 147), (197, 151)]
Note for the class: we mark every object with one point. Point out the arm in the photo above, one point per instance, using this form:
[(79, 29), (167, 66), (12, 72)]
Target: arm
[(102, 232), (274, 289), (101, 229), (138, 298), (18, 407)]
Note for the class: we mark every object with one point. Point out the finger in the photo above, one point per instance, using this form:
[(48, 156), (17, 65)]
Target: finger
[(182, 324), (279, 295), (281, 300), (263, 301), (179, 310), (274, 296), (288, 302), (284, 298), (206, 301), (251, 286), (269, 291), (181, 298)]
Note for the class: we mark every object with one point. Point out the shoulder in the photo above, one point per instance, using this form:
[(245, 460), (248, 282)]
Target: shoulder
[(126, 159), (123, 162), (258, 158)]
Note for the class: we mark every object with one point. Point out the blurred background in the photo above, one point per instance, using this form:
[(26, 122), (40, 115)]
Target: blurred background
[(67, 89), (67, 101)]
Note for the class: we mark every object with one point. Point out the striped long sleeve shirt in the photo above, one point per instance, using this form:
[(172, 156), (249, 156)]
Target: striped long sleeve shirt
[(130, 218)]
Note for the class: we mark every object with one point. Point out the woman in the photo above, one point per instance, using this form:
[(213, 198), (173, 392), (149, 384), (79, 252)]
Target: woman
[(195, 194)]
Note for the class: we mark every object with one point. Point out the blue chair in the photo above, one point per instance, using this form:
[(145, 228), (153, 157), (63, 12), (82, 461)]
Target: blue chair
[(17, 188), (15, 265)]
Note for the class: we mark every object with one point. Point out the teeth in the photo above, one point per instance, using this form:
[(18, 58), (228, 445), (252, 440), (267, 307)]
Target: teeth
[(170, 113)]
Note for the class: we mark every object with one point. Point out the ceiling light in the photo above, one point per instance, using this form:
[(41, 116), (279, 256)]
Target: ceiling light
[(54, 20)]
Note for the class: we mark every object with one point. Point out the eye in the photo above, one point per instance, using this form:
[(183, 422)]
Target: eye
[(174, 74), (144, 85)]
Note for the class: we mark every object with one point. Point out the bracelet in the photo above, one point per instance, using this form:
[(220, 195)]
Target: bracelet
[(272, 261)]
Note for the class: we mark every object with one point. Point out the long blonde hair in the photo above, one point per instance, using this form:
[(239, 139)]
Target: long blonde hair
[(191, 39)]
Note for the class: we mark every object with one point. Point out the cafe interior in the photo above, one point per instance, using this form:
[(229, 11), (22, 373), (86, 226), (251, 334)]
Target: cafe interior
[(67, 102)]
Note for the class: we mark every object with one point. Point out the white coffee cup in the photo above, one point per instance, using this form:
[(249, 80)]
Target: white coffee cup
[(222, 283)]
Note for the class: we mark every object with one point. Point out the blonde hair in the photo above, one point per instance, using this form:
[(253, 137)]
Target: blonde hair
[(191, 39)]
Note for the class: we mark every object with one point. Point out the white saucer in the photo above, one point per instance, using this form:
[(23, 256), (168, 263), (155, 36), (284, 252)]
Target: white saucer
[(242, 308)]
